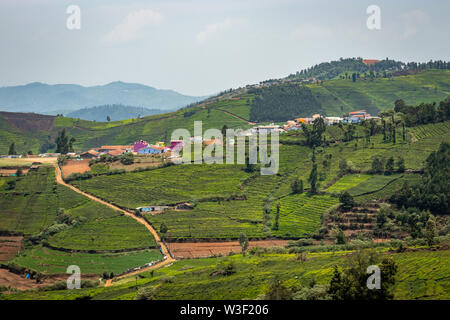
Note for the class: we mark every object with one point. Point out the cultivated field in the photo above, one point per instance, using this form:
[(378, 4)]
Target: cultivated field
[(185, 250)]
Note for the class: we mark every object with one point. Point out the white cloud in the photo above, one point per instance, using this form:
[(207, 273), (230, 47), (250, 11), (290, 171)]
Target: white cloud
[(131, 26), (212, 29), (312, 31), (412, 21)]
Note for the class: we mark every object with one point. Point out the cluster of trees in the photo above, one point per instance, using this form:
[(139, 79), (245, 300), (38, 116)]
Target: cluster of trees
[(314, 135), (389, 166), (283, 102), (423, 113), (356, 281), (432, 192), (64, 144), (330, 70)]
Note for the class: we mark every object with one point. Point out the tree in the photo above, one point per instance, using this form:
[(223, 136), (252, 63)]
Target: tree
[(12, 149), (297, 186), (390, 165), (108, 118), (351, 283), (314, 135), (71, 142), (224, 131), (339, 235), (63, 143), (343, 166), (378, 165), (313, 179), (276, 225), (249, 167), (401, 165), (243, 241), (430, 230), (347, 201), (146, 293), (277, 290), (19, 172), (163, 228), (127, 158)]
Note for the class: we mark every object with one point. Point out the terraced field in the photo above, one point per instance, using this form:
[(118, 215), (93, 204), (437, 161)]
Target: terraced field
[(32, 206), (225, 219), (421, 275), (389, 188), (300, 215), (348, 182), (170, 185), (375, 183), (48, 261), (109, 233)]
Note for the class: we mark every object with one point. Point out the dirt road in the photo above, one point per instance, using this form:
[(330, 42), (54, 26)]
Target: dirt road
[(164, 248)]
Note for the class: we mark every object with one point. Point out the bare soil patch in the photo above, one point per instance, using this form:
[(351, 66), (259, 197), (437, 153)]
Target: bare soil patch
[(7, 172), (29, 121), (206, 249), (75, 166), (20, 282), (9, 247)]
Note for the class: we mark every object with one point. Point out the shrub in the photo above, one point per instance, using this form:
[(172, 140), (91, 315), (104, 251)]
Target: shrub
[(127, 159)]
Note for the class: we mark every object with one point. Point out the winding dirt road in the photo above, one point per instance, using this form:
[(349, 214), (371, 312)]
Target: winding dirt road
[(165, 250)]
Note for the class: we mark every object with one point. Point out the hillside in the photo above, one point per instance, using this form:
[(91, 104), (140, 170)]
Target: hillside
[(235, 109), (43, 98), (114, 112), (338, 96)]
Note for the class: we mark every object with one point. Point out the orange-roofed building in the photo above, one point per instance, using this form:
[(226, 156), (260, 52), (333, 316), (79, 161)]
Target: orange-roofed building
[(370, 62)]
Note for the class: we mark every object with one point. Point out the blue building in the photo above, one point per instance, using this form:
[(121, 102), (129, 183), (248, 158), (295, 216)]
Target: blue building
[(150, 150)]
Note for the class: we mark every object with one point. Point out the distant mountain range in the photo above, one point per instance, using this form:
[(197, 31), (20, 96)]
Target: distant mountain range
[(51, 99), (113, 112)]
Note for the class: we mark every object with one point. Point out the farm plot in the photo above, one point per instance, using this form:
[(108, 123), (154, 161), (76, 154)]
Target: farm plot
[(206, 249), (75, 166), (348, 182), (9, 247), (300, 215), (169, 185), (112, 233), (375, 183), (224, 219), (421, 275), (50, 261), (33, 206), (389, 189)]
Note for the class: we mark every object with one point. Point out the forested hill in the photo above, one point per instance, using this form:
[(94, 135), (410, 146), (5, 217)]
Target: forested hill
[(282, 102), (236, 109), (113, 113), (345, 67)]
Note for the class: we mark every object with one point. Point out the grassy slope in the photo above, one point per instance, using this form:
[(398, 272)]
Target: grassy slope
[(299, 216), (421, 275), (380, 94), (50, 261), (32, 206)]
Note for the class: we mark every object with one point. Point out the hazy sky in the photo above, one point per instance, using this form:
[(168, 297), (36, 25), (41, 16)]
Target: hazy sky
[(199, 47)]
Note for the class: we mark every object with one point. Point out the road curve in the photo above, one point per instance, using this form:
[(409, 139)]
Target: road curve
[(165, 250)]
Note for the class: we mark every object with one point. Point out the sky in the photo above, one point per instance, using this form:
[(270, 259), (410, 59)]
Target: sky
[(201, 47)]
